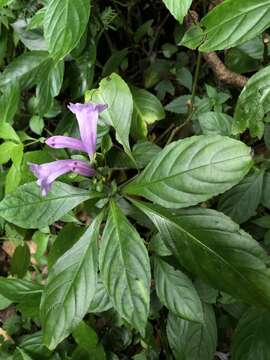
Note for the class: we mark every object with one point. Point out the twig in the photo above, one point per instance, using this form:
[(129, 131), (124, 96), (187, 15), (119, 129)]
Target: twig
[(222, 72)]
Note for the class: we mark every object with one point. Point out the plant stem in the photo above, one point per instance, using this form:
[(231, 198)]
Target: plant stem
[(191, 103)]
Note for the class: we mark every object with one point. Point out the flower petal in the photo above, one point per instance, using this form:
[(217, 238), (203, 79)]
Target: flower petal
[(87, 116), (59, 142), (47, 173)]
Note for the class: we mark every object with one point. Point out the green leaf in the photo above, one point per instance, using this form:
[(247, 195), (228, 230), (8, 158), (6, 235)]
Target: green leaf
[(26, 69), (192, 170), (241, 202), (251, 338), (85, 336), (101, 301), (71, 287), (125, 269), (178, 8), (32, 345), (66, 238), (147, 110), (191, 341), (177, 292), (234, 22), (211, 245), (20, 261), (64, 24), (114, 91), (215, 123), (36, 124), (252, 103), (266, 190), (28, 209), (9, 103), (8, 133), (6, 150), (20, 291)]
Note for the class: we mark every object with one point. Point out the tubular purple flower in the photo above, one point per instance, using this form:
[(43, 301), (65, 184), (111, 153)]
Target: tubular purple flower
[(47, 173), (87, 116), (59, 142)]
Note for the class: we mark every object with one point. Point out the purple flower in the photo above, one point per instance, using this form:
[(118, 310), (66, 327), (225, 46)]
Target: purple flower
[(47, 173), (87, 116)]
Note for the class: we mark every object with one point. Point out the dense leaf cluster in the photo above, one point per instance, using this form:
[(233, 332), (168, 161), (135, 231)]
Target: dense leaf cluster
[(146, 259)]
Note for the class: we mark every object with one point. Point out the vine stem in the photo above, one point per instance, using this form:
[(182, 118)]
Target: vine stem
[(191, 102)]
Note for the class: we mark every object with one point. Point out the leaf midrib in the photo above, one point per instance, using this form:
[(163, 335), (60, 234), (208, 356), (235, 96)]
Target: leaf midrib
[(209, 250), (180, 173)]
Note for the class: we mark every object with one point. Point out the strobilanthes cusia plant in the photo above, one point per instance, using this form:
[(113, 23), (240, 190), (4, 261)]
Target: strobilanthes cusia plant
[(87, 117)]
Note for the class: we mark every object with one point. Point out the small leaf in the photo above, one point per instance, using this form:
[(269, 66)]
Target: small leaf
[(191, 341), (125, 269), (215, 123), (28, 209), (178, 8), (71, 287), (147, 110), (177, 292), (20, 261), (85, 336), (64, 24), (192, 170), (36, 124), (9, 103), (114, 91), (20, 291)]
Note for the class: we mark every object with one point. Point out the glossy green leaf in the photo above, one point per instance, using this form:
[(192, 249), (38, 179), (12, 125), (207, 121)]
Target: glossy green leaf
[(32, 345), (28, 209), (85, 336), (8, 133), (20, 291), (251, 338), (214, 123), (101, 300), (190, 341), (234, 22), (9, 103), (66, 238), (253, 102), (70, 288), (212, 246), (241, 202), (125, 269), (176, 291), (114, 91), (147, 110), (26, 69), (178, 8), (64, 24), (192, 170)]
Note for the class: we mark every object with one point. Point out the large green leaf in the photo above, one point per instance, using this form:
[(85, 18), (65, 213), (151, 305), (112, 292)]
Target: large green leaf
[(70, 288), (114, 91), (190, 341), (26, 207), (20, 291), (192, 170), (212, 246), (178, 8), (252, 103), (125, 269), (9, 103), (241, 202), (177, 292), (252, 337), (147, 110), (26, 69), (234, 22), (64, 24)]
